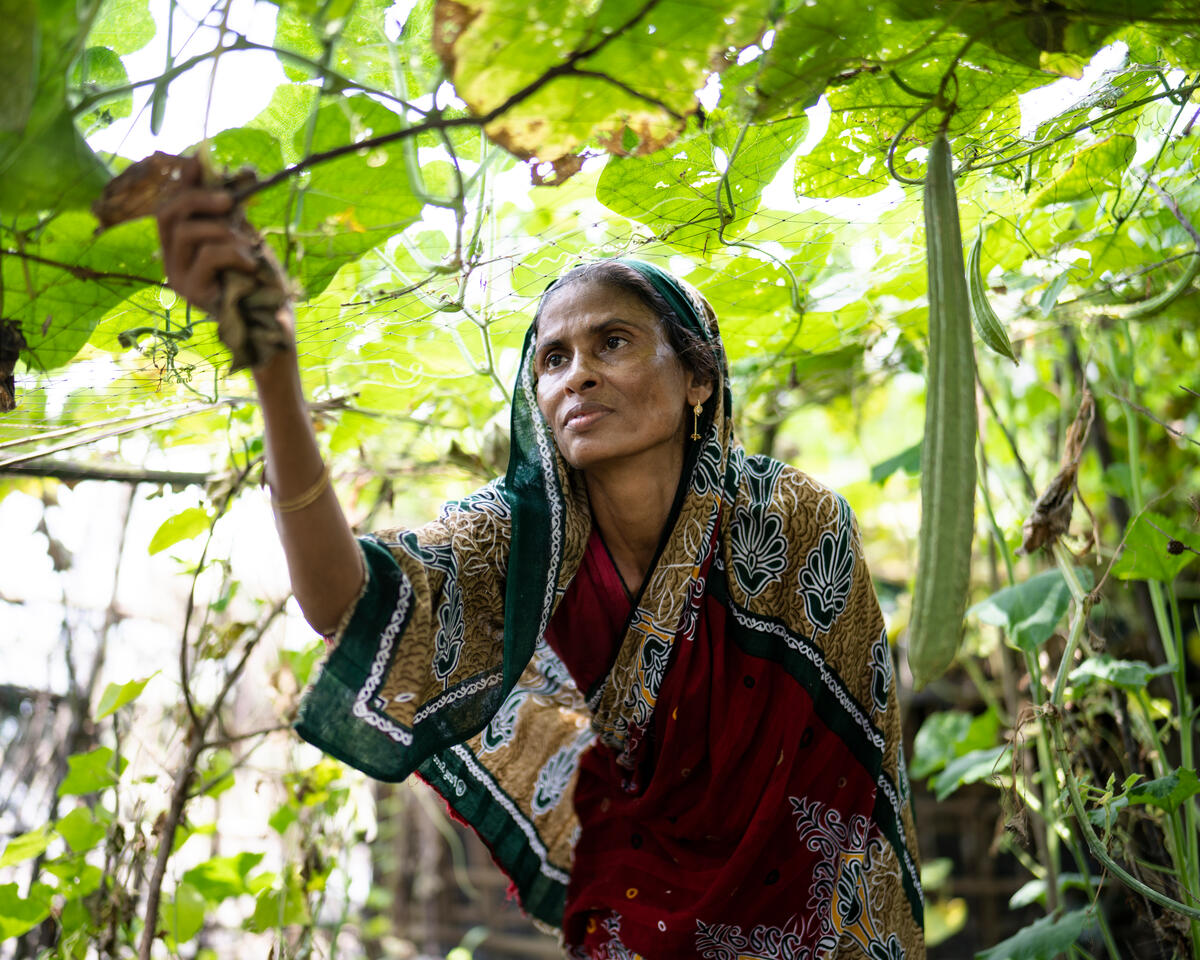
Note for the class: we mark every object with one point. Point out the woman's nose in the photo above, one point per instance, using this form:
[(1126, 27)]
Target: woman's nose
[(581, 375)]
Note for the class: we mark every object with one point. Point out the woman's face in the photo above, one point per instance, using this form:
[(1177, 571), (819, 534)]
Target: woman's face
[(608, 382)]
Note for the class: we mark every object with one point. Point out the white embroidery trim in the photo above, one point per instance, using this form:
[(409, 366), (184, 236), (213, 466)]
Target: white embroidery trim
[(535, 842), (379, 665)]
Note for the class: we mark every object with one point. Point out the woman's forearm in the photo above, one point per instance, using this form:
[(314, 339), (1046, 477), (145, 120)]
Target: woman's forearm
[(323, 558), (203, 239)]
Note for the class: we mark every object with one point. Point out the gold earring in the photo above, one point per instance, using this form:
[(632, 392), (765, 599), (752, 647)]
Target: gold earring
[(696, 411)]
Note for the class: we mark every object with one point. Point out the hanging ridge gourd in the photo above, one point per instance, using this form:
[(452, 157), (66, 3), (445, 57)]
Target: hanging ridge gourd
[(948, 451), (987, 324)]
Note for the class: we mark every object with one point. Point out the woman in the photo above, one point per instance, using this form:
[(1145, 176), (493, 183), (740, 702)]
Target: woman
[(648, 669)]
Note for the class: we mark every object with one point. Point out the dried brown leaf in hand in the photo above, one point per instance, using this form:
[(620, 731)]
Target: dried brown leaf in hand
[(140, 189), (247, 306)]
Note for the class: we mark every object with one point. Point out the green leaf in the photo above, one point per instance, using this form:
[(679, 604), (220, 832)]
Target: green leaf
[(183, 526), (1092, 170), (59, 301), (813, 42), (1043, 939), (18, 62), (1034, 891), (116, 695), (80, 829), (1131, 675), (1166, 792), (908, 460), (123, 25), (1028, 612), (91, 771), (678, 192), (217, 773), (935, 873), (935, 743), (223, 877), (183, 916), (26, 846), (77, 878), (97, 70), (279, 908), (18, 914), (943, 919), (1145, 555), (282, 818), (350, 204), (48, 168), (970, 768), (1050, 297)]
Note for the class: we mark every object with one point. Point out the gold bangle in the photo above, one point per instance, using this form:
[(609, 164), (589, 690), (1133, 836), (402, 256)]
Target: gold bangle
[(307, 498)]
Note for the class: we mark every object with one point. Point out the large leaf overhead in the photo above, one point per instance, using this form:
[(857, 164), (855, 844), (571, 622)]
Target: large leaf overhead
[(73, 279), (45, 165), (623, 73), (703, 187)]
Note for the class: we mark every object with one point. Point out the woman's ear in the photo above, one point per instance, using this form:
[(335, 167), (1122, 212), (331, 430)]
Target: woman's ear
[(698, 391)]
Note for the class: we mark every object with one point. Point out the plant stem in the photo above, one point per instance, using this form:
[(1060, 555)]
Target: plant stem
[(1049, 785), (1054, 716), (1182, 828)]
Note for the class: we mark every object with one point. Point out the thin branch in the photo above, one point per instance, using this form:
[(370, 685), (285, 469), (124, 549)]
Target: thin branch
[(1030, 487), (1177, 434), (1087, 124), (184, 681), (104, 435), (83, 273), (437, 121), (341, 82), (1053, 713), (1173, 206), (183, 779), (126, 424), (633, 92), (891, 153), (1121, 220), (239, 737), (121, 473)]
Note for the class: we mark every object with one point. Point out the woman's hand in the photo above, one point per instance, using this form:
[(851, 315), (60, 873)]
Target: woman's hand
[(204, 238), (216, 261), (199, 239)]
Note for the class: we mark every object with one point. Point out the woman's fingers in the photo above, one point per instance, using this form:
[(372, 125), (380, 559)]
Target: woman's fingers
[(188, 205), (210, 260), (192, 235), (198, 241)]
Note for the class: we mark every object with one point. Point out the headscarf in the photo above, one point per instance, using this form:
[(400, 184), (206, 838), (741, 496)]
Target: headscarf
[(443, 668)]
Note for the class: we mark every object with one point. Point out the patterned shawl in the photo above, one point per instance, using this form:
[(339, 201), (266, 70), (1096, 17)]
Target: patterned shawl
[(443, 668)]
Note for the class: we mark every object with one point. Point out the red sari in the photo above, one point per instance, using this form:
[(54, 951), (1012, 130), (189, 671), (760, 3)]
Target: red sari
[(726, 823)]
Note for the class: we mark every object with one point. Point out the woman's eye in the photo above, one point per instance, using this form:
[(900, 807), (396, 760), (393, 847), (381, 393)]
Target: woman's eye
[(614, 341), (552, 360)]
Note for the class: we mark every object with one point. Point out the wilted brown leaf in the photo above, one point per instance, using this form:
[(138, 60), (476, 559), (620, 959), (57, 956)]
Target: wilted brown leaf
[(247, 307), (1051, 516)]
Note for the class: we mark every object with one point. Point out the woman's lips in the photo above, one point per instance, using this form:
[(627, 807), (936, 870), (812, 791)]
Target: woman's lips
[(584, 418)]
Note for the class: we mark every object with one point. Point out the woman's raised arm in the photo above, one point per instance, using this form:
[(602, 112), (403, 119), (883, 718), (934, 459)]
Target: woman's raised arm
[(199, 242)]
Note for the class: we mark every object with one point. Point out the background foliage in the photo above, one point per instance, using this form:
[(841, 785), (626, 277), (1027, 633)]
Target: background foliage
[(423, 172)]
